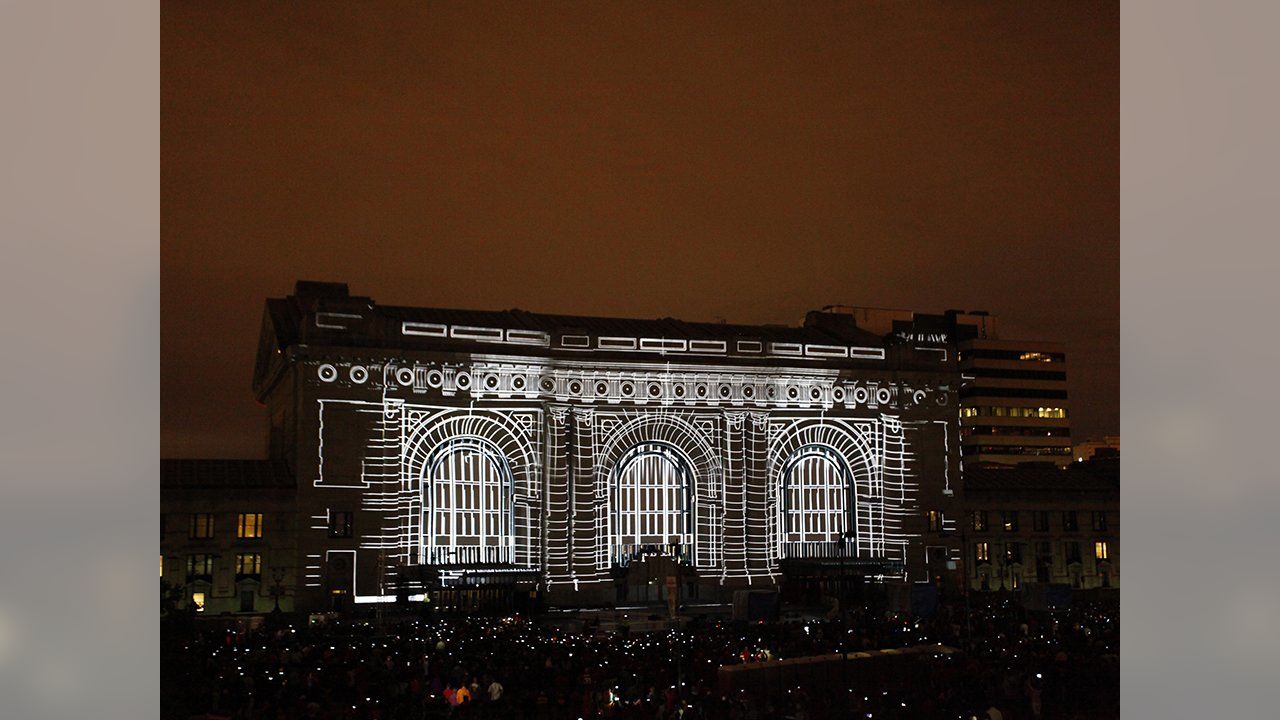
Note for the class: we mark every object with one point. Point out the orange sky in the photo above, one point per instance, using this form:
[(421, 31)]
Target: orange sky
[(739, 161)]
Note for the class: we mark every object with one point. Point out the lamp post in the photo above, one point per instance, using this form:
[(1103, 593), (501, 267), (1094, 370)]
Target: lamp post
[(277, 578)]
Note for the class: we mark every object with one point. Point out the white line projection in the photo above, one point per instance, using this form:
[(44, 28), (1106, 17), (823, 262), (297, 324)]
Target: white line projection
[(573, 469)]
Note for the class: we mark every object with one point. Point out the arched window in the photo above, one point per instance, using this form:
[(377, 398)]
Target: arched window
[(467, 505), (816, 501), (650, 502)]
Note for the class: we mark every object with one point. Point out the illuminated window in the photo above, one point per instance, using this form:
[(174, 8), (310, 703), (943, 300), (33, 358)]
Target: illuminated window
[(201, 526), (1069, 521), (249, 525), (816, 491), (966, 412), (1099, 520), (197, 599), (161, 564), (650, 498), (981, 552), (980, 520), (1009, 519), (935, 521), (1013, 552), (467, 505), (200, 565), (248, 564), (1100, 550), (340, 524), (1040, 520), (1038, 357)]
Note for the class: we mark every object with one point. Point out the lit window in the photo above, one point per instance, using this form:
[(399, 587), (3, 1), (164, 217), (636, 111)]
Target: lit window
[(980, 520), (467, 506), (968, 412), (650, 501), (1101, 551), (1013, 552), (202, 526), (161, 564), (197, 599), (340, 525), (1009, 519), (981, 552), (935, 521), (248, 564), (249, 525)]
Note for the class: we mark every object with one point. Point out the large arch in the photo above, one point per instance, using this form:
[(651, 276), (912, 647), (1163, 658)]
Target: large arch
[(484, 459), (692, 451), (836, 454)]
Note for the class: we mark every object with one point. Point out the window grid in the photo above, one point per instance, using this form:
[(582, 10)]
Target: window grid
[(202, 526), (249, 525), (468, 508), (815, 499), (651, 505)]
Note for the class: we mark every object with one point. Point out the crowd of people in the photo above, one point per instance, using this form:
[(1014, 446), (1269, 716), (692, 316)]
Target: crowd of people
[(1014, 664)]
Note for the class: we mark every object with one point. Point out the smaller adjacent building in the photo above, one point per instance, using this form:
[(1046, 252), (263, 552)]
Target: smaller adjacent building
[(1038, 523), (227, 534)]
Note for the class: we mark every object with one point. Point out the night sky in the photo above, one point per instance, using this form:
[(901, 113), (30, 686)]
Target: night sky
[(737, 161)]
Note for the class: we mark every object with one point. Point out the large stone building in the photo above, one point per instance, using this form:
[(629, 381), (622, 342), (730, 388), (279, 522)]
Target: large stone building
[(586, 457)]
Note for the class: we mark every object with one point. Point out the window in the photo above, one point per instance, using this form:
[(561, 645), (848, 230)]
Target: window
[(935, 521), (1044, 551), (1009, 519), (197, 599), (200, 565), (249, 525), (248, 564), (966, 412), (816, 496), (1013, 552), (1069, 521), (1101, 551), (1099, 520), (161, 564), (981, 552), (980, 520), (467, 512), (246, 601), (340, 524), (1072, 551), (1040, 520), (202, 526)]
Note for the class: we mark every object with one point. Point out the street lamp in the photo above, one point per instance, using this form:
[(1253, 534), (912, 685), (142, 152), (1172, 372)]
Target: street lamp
[(277, 578)]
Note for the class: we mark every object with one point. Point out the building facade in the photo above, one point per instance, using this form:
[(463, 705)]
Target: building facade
[(574, 455), (228, 534), (1037, 523), (1014, 404)]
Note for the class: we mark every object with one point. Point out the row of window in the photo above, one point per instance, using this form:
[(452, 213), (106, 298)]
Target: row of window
[(1051, 413), (1009, 520), (1006, 392), (1018, 374), (1044, 552), (1019, 430), (201, 565), (989, 354), (248, 525), (1032, 450)]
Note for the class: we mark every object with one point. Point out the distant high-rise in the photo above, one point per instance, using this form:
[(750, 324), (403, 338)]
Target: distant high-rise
[(1013, 403)]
